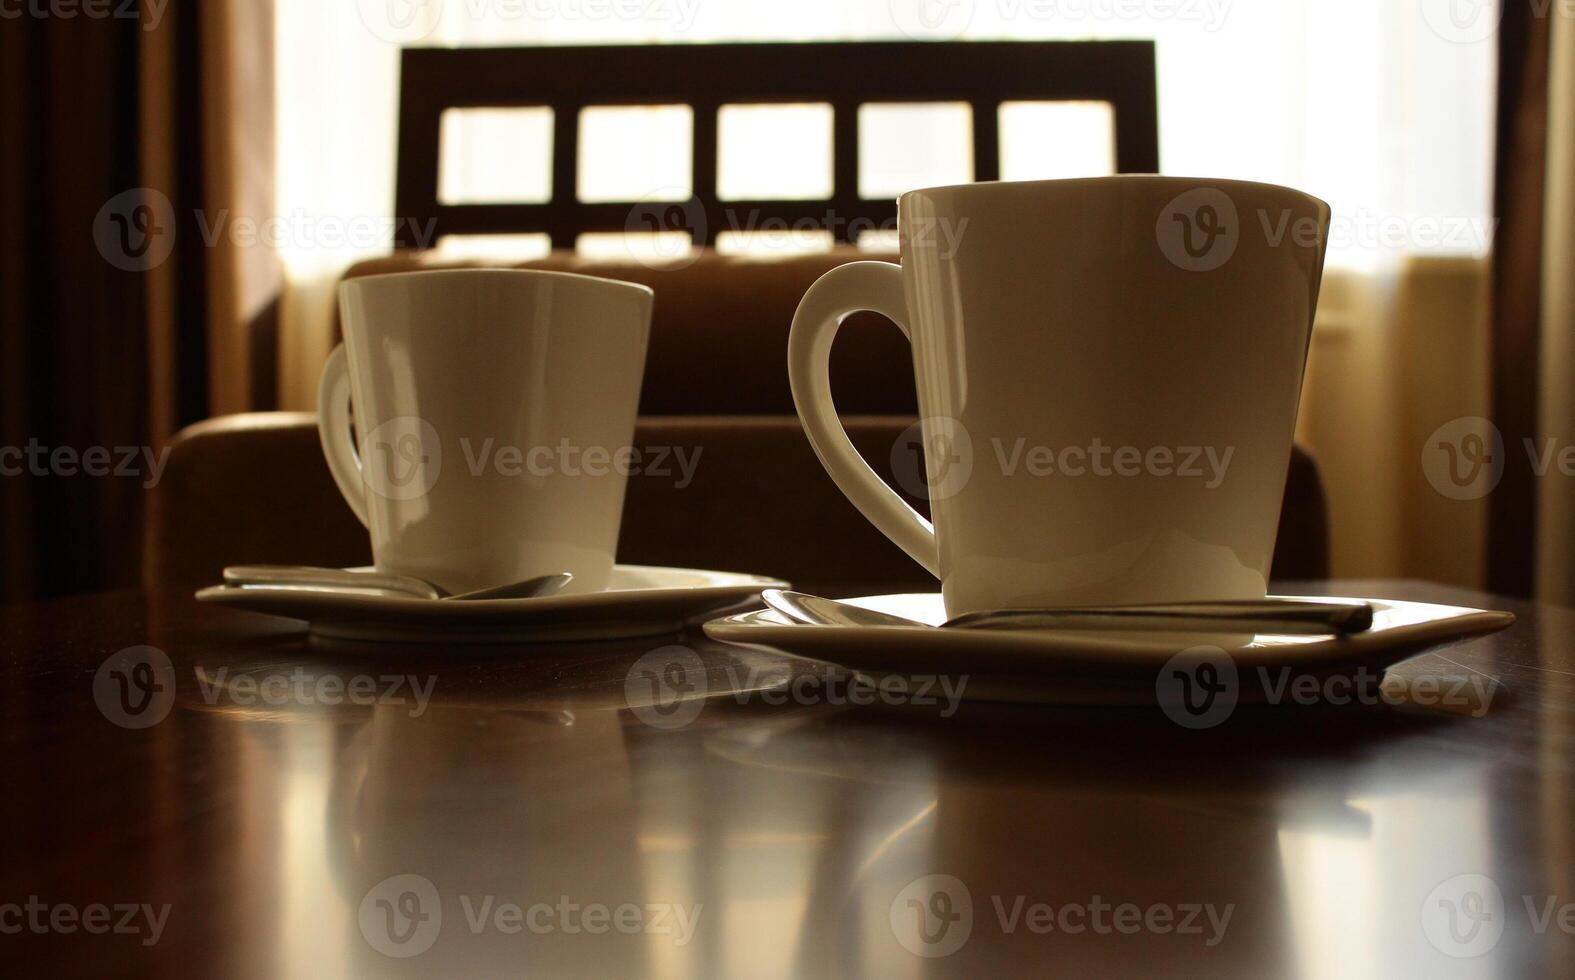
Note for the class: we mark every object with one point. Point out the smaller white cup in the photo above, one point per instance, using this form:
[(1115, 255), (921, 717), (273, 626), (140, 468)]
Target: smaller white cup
[(491, 408)]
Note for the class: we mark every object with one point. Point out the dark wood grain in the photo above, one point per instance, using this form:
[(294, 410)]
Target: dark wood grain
[(792, 827)]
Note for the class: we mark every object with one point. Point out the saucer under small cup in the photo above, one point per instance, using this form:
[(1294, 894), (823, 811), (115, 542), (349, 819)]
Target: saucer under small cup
[(640, 600)]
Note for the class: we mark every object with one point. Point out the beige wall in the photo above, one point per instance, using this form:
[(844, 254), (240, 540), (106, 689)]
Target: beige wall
[(1394, 356)]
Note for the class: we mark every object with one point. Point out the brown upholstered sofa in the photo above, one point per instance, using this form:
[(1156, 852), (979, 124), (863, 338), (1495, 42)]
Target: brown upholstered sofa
[(254, 488)]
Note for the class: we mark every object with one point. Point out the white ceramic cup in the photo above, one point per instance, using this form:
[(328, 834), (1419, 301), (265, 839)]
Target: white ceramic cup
[(1075, 342), (490, 409)]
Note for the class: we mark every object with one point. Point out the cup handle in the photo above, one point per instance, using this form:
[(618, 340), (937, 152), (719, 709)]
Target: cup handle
[(875, 286), (333, 428)]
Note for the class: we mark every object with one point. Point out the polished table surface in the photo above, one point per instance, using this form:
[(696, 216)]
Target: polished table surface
[(284, 807)]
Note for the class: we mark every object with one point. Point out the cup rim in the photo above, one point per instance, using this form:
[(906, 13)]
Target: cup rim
[(471, 272), (1159, 179)]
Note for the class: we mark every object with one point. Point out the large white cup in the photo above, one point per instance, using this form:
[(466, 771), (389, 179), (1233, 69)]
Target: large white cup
[(1108, 373), (491, 408)]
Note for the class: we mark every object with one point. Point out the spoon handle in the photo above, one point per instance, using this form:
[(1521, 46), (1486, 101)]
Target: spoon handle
[(812, 610), (532, 588), (1283, 615), (307, 576)]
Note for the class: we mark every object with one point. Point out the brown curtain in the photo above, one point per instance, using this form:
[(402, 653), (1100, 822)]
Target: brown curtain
[(1556, 511), (131, 144), (207, 112), (1519, 194)]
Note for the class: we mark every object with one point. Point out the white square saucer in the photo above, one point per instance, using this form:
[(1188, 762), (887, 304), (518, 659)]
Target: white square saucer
[(1104, 667)]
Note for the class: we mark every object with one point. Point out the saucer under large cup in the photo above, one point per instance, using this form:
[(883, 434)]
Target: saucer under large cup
[(1098, 667)]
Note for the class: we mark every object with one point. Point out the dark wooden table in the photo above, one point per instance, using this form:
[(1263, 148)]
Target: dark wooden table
[(272, 806)]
